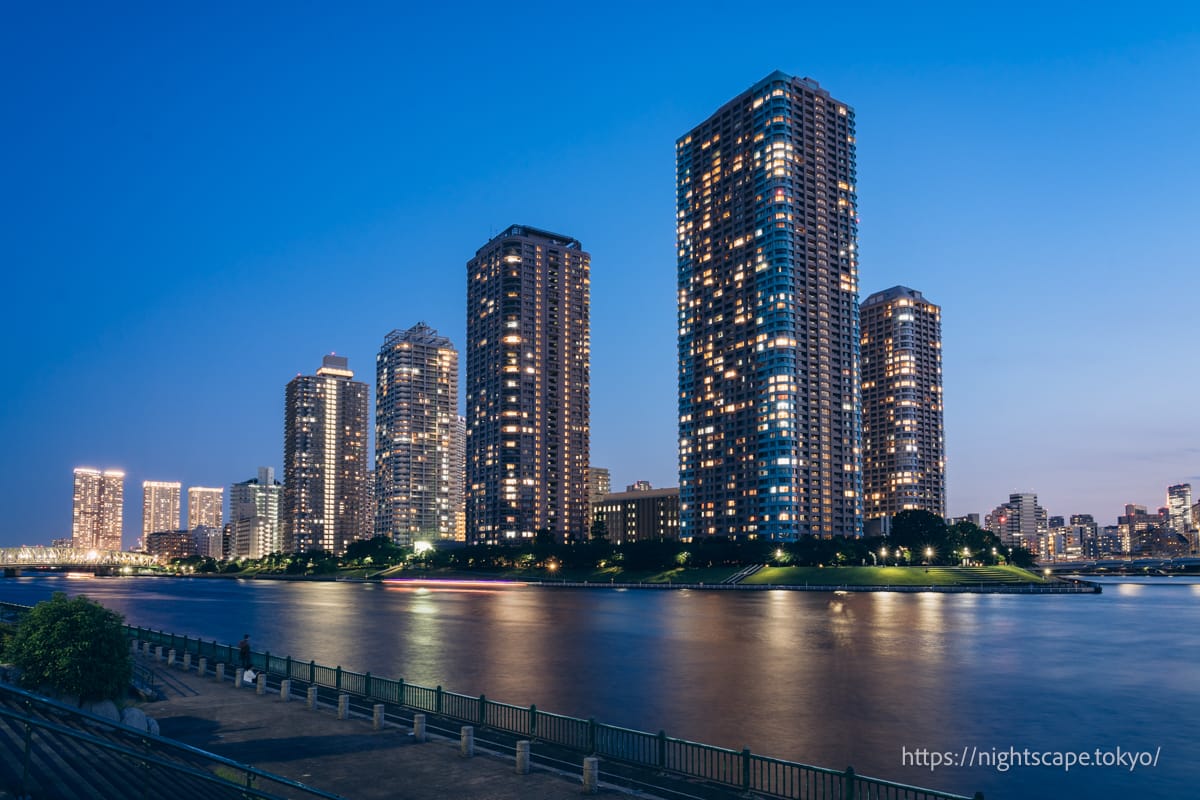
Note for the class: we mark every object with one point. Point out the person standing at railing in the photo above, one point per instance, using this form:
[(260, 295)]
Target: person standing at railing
[(244, 650)]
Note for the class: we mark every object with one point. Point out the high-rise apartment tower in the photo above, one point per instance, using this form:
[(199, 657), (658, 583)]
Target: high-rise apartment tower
[(160, 507), (206, 507), (769, 412), (528, 362), (325, 503), (98, 509), (904, 456), (416, 425)]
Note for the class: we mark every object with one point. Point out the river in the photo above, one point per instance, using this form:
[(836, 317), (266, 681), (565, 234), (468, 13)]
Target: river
[(828, 679)]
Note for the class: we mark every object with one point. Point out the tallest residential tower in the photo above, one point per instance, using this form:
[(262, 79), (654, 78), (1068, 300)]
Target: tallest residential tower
[(769, 409)]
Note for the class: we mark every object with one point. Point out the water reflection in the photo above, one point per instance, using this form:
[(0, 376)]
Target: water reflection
[(826, 678)]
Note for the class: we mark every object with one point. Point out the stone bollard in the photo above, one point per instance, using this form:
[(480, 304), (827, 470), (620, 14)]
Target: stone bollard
[(145, 648), (343, 706), (134, 644), (171, 657), (260, 687), (220, 673), (285, 690), (466, 748), (418, 727), (591, 775), (158, 653), (523, 757), (311, 701), (187, 662), (377, 717), (202, 667), (238, 677)]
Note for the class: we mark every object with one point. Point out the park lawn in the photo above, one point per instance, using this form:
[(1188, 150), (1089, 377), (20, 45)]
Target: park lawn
[(599, 576), (890, 576)]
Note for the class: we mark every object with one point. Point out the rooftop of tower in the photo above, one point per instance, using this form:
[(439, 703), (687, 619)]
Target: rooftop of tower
[(514, 231), (894, 293)]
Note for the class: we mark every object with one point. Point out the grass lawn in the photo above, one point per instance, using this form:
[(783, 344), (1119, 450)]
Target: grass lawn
[(890, 576), (607, 575)]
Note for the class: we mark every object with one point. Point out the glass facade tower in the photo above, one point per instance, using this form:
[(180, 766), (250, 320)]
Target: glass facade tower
[(769, 409)]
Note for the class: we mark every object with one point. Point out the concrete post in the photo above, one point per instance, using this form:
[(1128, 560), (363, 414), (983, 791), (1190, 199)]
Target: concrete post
[(377, 717), (343, 706), (311, 702), (418, 727), (238, 677), (285, 690), (158, 653), (145, 648), (187, 662), (523, 757), (171, 657), (133, 643), (260, 687), (466, 748), (202, 667), (220, 673), (591, 775)]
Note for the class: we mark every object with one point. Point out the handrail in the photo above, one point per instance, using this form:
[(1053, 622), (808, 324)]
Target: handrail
[(693, 759)]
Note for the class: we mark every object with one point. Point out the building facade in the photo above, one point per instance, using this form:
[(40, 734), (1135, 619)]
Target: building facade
[(416, 425), (254, 516), (599, 483), (1020, 522), (160, 507), (206, 507), (528, 379), (325, 504), (98, 509), (769, 409), (638, 515), (904, 455), (1179, 507)]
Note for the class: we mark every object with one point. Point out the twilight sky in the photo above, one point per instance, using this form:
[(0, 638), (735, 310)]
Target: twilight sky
[(199, 201)]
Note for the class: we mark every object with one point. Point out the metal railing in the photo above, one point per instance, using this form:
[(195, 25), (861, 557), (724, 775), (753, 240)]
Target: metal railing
[(735, 769)]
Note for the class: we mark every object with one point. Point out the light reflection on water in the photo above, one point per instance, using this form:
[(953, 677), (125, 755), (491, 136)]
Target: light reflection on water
[(831, 679)]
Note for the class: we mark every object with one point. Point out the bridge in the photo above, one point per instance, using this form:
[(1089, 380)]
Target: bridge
[(1181, 564), (101, 562)]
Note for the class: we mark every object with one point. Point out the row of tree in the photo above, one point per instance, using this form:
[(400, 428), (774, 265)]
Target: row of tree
[(916, 537)]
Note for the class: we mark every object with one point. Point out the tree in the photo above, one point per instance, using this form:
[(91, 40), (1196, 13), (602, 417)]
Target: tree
[(75, 647), (917, 529)]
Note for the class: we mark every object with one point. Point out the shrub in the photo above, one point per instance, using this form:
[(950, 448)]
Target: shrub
[(75, 647)]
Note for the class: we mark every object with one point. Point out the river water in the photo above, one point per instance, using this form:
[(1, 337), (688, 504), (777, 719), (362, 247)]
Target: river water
[(827, 679)]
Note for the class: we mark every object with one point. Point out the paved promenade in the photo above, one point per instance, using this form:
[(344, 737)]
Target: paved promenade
[(346, 757)]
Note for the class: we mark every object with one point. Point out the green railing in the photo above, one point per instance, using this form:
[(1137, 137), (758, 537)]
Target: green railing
[(48, 749), (739, 769)]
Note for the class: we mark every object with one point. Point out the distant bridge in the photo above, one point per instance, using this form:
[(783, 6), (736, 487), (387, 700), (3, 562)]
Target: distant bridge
[(14, 559)]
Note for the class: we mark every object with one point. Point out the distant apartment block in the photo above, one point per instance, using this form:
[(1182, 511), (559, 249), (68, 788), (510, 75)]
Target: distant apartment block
[(98, 509), (206, 507), (160, 507), (169, 545), (528, 376), (325, 504), (254, 516), (768, 329), (1179, 507), (417, 485), (1020, 522), (599, 483), (904, 457), (638, 515)]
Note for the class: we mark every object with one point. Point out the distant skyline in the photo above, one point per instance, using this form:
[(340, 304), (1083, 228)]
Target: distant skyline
[(203, 202)]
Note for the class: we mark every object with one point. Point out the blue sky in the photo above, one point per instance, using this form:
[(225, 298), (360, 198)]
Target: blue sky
[(201, 201)]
